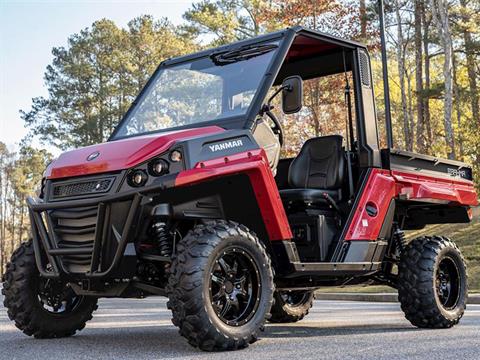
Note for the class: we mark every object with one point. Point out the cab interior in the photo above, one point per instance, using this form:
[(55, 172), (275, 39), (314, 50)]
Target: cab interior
[(316, 177)]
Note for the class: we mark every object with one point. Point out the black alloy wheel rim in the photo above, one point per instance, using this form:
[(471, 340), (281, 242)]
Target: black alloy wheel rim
[(448, 283), (56, 297), (295, 298), (234, 286)]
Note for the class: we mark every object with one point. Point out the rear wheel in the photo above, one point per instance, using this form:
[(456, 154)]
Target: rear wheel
[(221, 286), (291, 306), (432, 282), (44, 308)]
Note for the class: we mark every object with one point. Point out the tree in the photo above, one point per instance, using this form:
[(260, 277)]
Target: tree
[(401, 50), (225, 20), (363, 20), (3, 158), (440, 16), (467, 27), (334, 17), (426, 20), (418, 11), (20, 177), (92, 82)]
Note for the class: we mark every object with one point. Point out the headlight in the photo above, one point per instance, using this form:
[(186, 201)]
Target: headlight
[(175, 156), (137, 178), (158, 167)]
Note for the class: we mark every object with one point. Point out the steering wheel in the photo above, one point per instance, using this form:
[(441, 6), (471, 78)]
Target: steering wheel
[(277, 127)]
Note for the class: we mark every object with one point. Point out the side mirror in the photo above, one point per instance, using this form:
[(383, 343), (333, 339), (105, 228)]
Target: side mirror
[(292, 94)]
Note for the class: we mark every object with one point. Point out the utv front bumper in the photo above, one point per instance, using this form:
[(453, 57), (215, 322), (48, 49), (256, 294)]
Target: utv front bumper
[(92, 238), (86, 238)]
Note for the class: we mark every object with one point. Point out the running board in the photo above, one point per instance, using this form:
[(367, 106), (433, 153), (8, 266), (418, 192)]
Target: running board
[(333, 269)]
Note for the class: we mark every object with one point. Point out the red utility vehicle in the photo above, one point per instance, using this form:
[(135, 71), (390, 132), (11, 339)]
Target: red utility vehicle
[(189, 199)]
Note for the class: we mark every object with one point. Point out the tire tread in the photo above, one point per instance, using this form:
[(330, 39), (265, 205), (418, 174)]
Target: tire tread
[(416, 280), (17, 299), (185, 281)]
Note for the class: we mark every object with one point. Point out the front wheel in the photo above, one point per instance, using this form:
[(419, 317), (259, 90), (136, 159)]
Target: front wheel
[(432, 282), (44, 308), (220, 286), (291, 306)]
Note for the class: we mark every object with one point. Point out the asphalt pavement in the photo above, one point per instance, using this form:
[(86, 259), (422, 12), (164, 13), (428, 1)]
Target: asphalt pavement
[(141, 329)]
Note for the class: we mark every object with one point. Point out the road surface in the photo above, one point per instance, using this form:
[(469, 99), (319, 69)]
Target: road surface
[(141, 329)]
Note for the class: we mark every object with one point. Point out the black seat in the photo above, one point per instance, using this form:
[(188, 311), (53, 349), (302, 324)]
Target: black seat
[(316, 172)]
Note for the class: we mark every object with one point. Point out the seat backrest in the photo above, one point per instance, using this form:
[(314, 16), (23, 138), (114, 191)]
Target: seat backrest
[(319, 165), (269, 142)]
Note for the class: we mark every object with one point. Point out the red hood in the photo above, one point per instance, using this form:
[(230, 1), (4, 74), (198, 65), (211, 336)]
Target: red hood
[(120, 154)]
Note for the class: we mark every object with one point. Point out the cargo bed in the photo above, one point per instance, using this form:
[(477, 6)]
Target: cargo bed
[(426, 165)]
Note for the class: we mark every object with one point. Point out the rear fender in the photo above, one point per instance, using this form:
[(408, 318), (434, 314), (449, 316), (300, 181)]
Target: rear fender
[(424, 199), (412, 200)]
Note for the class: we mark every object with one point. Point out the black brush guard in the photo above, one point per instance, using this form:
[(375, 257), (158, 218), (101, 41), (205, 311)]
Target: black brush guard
[(45, 241)]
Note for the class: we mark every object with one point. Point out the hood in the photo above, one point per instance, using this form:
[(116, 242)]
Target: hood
[(120, 154)]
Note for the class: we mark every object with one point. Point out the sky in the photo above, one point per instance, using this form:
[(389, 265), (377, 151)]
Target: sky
[(30, 29)]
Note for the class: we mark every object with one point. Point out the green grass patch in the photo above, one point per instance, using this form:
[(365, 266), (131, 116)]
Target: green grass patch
[(358, 289)]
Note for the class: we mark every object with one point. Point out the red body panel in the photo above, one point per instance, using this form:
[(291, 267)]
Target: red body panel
[(419, 187), (120, 154), (379, 191), (255, 165), (384, 185)]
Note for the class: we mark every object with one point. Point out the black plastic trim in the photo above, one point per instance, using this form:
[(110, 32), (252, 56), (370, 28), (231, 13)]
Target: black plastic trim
[(341, 245), (334, 269), (427, 165)]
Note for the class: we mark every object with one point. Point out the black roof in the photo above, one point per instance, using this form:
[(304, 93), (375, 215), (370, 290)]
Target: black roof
[(267, 37)]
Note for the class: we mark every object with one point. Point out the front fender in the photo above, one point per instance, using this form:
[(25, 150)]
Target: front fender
[(255, 165)]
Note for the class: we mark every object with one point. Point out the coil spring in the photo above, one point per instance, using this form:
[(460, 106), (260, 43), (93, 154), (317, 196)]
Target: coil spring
[(163, 238), (400, 240)]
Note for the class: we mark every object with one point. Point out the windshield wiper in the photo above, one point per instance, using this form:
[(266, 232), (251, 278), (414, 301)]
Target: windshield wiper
[(242, 53)]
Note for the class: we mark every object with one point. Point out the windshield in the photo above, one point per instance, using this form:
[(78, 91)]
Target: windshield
[(211, 88)]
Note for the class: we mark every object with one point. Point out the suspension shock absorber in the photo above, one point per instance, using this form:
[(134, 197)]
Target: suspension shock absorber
[(163, 238), (400, 239)]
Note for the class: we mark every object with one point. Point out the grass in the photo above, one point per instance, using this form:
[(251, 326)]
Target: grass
[(466, 236), (358, 289)]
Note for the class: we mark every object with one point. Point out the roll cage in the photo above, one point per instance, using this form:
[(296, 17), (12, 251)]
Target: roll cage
[(296, 45)]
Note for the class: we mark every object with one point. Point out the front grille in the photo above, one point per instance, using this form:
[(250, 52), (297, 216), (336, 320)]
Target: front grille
[(85, 187), (75, 229)]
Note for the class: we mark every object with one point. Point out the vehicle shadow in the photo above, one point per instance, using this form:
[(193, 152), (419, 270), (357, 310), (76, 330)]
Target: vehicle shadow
[(165, 342)]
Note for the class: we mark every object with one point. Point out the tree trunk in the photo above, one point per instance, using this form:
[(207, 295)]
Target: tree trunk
[(363, 20), (472, 76), (421, 144), (410, 110), (2, 257), (426, 99), (401, 76), (2, 252), (456, 91), (3, 199), (6, 191), (440, 16), (22, 218), (13, 220), (2, 240), (315, 104)]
